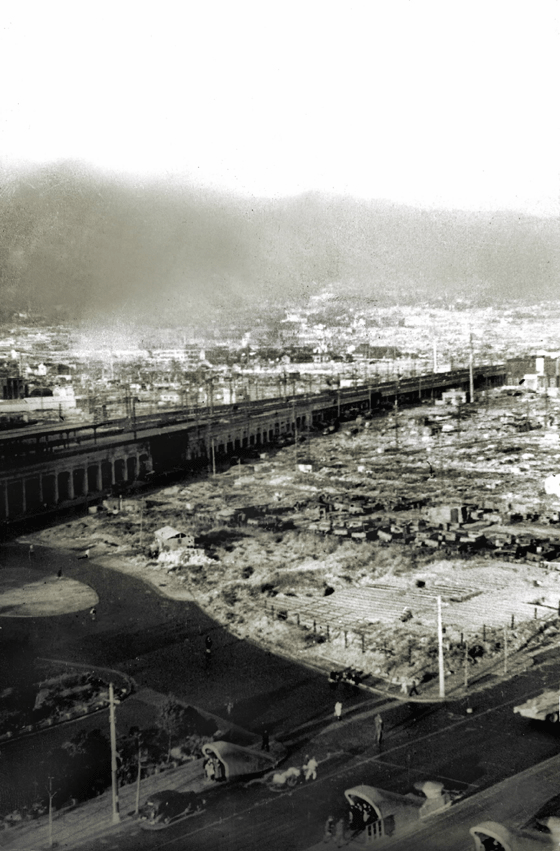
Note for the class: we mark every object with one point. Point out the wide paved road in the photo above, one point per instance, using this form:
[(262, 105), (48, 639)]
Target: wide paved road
[(161, 642), (467, 752)]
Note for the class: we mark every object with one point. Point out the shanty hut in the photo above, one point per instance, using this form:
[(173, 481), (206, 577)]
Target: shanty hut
[(168, 538), (237, 761), (378, 813)]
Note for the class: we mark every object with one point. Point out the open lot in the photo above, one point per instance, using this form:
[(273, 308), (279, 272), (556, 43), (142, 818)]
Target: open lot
[(320, 547)]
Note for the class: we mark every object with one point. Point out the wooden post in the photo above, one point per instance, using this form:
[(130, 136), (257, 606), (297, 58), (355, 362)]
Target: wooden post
[(513, 621), (51, 796), (138, 777), (505, 651), (466, 664), (363, 643), (114, 785), (345, 638)]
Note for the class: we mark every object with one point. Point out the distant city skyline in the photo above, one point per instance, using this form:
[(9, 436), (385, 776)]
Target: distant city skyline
[(431, 104)]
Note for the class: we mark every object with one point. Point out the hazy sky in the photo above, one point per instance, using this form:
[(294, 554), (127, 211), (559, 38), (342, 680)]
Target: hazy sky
[(430, 102)]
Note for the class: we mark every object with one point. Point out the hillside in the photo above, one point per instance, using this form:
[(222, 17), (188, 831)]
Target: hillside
[(87, 245)]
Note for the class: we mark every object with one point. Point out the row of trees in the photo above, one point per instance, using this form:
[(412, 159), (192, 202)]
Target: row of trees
[(80, 768)]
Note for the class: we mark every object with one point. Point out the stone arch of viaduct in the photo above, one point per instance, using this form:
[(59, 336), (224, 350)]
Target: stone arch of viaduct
[(77, 475)]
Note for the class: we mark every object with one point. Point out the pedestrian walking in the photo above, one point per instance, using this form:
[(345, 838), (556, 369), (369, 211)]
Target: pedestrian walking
[(339, 833), (329, 829), (229, 706), (59, 574), (265, 745), (338, 710), (413, 688), (207, 650), (31, 551), (93, 613), (310, 768), (378, 721)]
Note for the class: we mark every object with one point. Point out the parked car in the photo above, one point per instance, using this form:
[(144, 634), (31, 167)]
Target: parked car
[(167, 807)]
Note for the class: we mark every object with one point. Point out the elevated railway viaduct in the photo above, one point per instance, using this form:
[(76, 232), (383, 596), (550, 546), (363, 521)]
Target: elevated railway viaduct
[(44, 469)]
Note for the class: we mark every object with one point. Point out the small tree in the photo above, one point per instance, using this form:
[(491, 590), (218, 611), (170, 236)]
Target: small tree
[(171, 721)]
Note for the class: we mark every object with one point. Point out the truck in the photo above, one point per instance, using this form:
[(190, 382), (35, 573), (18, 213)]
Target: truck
[(544, 707)]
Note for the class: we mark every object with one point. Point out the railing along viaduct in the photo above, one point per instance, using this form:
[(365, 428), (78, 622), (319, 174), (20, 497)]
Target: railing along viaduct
[(48, 468)]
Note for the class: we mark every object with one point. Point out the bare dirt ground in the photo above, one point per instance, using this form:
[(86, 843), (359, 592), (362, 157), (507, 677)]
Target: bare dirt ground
[(329, 598), (27, 593)]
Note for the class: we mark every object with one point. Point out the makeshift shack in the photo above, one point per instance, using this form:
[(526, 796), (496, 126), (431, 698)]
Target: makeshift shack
[(233, 761), (168, 538)]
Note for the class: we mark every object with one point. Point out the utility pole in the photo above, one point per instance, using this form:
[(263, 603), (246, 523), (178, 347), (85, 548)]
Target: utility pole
[(295, 429), (137, 733), (213, 456), (505, 651), (471, 377), (141, 520), (440, 650), (51, 796), (114, 783), (397, 412), (466, 664)]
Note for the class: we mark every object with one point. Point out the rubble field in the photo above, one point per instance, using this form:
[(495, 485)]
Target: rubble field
[(335, 551)]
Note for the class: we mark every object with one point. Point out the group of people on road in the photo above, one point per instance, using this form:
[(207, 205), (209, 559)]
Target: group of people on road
[(335, 831), (292, 776), (214, 769)]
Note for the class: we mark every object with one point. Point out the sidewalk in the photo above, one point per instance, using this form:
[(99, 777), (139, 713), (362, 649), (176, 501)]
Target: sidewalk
[(94, 818)]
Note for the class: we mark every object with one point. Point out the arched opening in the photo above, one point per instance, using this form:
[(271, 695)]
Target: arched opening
[(144, 466), (93, 478), (63, 486), (15, 498), (106, 475), (120, 470), (49, 490), (78, 481), (32, 494), (131, 468)]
